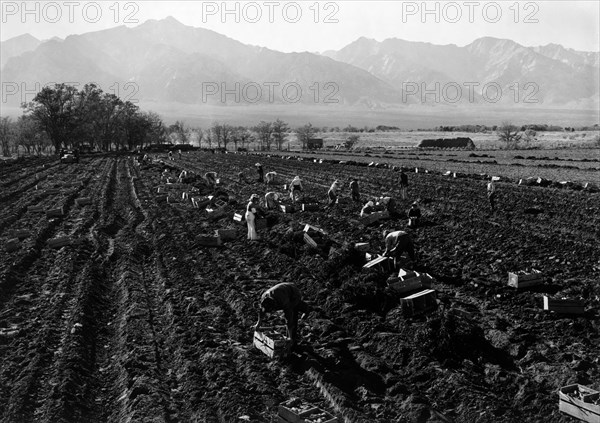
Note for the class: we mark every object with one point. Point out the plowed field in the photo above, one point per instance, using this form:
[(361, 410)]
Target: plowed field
[(135, 320)]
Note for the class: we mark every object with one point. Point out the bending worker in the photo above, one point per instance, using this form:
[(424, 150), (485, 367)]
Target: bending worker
[(211, 178), (414, 215), (260, 171), (367, 209), (270, 177), (272, 200), (332, 194), (396, 243), (295, 188), (287, 297), (389, 204)]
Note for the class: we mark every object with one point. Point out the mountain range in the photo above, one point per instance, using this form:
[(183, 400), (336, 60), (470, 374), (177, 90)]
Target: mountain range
[(167, 61)]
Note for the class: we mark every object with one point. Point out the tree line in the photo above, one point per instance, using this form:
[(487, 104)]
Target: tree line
[(89, 119), (64, 117)]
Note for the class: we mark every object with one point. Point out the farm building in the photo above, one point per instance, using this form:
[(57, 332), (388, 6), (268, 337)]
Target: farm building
[(314, 143), (461, 142)]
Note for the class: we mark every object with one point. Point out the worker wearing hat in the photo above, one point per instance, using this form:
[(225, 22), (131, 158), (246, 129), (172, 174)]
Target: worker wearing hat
[(260, 171), (396, 243), (414, 215), (252, 209), (211, 178), (288, 298), (332, 194), (389, 204), (271, 200), (367, 209), (270, 177), (295, 188)]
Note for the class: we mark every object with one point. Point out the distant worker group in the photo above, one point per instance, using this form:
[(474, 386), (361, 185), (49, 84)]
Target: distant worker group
[(286, 296)]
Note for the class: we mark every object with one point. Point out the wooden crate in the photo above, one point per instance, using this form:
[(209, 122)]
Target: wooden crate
[(309, 228), (272, 341), (362, 246), (227, 234), (381, 263), (310, 207), (174, 186), (564, 306), (418, 303), (214, 214), (374, 217), (237, 217), (297, 411), (369, 219), (200, 202), (83, 201), (58, 212), (209, 241), (287, 208), (220, 204), (309, 241), (412, 281), (36, 209), (21, 234), (59, 242), (580, 402), (12, 245), (525, 280)]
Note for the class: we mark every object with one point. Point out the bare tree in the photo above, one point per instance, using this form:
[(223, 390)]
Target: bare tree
[(217, 136), (280, 131), (28, 133), (509, 133), (181, 132), (305, 133), (245, 136), (6, 135), (226, 134), (264, 130), (54, 109), (198, 134)]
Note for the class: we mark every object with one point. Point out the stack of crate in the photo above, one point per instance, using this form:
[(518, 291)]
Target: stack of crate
[(273, 341), (298, 411), (523, 279), (580, 402), (421, 298)]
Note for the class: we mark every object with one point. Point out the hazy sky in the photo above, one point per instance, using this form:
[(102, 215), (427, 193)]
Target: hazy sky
[(290, 26)]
